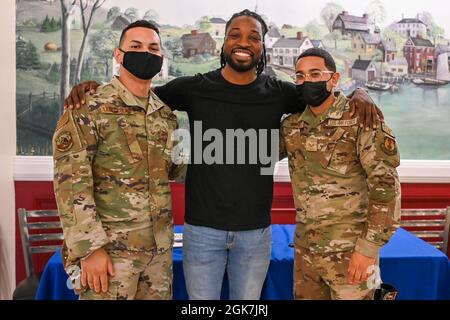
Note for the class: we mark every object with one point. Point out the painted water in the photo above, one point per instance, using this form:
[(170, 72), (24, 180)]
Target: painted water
[(420, 118)]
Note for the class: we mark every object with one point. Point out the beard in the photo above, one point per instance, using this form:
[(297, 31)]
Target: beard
[(242, 66)]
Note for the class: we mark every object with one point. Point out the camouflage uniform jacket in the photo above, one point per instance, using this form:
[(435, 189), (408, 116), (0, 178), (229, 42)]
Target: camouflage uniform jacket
[(345, 184), (111, 173)]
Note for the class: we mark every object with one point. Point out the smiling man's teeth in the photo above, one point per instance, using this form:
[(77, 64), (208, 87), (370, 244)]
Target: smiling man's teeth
[(242, 54)]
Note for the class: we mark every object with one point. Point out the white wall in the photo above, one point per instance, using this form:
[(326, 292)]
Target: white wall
[(7, 148)]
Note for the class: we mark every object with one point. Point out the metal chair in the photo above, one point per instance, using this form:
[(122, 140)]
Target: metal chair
[(431, 225), (37, 231)]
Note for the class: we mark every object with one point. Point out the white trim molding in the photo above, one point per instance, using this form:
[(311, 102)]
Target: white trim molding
[(33, 168), (410, 171)]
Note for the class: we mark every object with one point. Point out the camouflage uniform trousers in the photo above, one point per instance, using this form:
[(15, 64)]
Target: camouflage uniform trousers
[(138, 276), (324, 277)]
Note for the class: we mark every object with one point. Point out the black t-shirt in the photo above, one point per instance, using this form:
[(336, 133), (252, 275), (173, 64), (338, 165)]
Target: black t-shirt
[(232, 197)]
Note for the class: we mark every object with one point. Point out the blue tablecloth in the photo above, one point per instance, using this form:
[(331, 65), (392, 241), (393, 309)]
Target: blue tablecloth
[(415, 268)]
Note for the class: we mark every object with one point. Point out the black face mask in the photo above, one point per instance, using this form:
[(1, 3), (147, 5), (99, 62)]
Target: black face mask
[(313, 93), (143, 65)]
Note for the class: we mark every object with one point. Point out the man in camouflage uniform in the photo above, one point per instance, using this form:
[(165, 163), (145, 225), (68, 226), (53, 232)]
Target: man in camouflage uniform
[(345, 185), (112, 161)]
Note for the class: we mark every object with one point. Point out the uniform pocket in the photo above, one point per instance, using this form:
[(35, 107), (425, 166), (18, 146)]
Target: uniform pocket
[(134, 152), (337, 152)]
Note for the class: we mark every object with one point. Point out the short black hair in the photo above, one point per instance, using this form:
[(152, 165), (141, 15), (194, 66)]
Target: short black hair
[(247, 13), (321, 53), (139, 24)]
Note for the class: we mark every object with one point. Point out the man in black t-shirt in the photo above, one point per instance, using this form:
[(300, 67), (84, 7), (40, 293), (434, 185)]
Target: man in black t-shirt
[(228, 202)]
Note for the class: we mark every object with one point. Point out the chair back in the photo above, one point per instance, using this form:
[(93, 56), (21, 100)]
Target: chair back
[(431, 225), (39, 231)]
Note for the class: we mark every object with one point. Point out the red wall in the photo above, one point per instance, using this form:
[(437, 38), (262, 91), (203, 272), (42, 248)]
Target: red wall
[(39, 196)]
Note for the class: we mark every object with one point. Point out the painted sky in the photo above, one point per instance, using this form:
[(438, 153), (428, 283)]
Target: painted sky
[(295, 12)]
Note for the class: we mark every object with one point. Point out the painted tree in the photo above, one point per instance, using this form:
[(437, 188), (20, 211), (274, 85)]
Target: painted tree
[(53, 73), (203, 24), (27, 57), (50, 25), (113, 13), (376, 11), (434, 30), (389, 33), (335, 36), (329, 14), (173, 45), (132, 14), (66, 9), (21, 49), (313, 30), (45, 27), (151, 15), (102, 44), (86, 22)]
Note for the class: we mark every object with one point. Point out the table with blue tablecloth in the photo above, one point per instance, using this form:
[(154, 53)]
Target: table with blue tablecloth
[(418, 270)]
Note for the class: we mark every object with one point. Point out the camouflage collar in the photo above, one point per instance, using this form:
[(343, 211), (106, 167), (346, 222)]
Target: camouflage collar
[(127, 97), (335, 112), (338, 108), (155, 103)]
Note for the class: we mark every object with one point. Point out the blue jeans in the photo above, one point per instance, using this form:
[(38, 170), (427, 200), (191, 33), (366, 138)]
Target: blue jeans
[(208, 252)]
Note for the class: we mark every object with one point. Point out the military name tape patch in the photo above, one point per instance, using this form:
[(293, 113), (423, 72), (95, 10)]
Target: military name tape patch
[(342, 123), (64, 141)]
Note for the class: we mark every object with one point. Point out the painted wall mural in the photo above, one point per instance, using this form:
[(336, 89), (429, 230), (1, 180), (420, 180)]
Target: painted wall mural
[(399, 50)]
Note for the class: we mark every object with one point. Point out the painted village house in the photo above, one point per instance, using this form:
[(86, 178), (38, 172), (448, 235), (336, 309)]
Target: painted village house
[(217, 29), (286, 50), (410, 27), (363, 71), (197, 43), (397, 67), (367, 45), (419, 53), (351, 25), (120, 23), (389, 49), (272, 36)]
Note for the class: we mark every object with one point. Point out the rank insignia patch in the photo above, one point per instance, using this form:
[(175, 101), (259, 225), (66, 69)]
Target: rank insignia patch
[(311, 144)]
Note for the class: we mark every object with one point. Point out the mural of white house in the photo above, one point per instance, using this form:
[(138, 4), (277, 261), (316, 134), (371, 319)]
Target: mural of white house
[(410, 27), (272, 36), (286, 50), (217, 29)]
